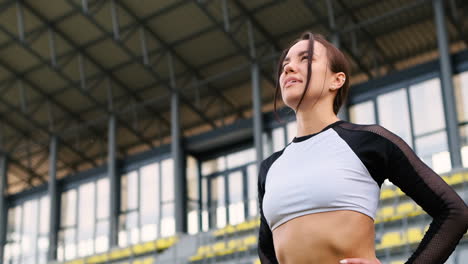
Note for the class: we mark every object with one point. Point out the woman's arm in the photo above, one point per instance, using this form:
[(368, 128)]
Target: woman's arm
[(434, 195), (266, 249)]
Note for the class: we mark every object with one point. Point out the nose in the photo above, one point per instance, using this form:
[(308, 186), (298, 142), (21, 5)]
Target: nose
[(290, 67)]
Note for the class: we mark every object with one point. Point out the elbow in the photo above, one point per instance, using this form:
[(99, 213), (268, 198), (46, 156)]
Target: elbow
[(459, 216)]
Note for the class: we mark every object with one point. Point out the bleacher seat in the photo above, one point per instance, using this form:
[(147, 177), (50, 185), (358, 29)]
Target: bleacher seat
[(222, 248), (391, 239), (232, 229), (414, 235), (387, 193)]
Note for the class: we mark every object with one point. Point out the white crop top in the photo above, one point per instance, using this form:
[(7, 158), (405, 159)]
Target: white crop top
[(318, 174)]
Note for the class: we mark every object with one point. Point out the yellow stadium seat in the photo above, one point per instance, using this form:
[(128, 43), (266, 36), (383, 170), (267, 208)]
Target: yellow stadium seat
[(455, 179), (257, 261), (250, 240), (202, 252), (219, 248), (242, 226), (414, 235), (446, 178), (97, 259), (230, 229), (405, 208), (148, 261), (386, 212), (387, 193), (465, 176), (399, 192), (173, 240), (397, 262), (219, 232), (77, 261), (161, 244), (196, 258), (391, 239)]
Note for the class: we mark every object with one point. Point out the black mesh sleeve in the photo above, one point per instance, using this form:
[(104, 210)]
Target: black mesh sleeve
[(433, 194), (266, 249)]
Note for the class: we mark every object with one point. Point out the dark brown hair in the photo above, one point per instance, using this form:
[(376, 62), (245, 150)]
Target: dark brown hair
[(337, 62)]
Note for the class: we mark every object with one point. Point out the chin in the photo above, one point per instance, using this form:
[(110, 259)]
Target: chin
[(292, 99)]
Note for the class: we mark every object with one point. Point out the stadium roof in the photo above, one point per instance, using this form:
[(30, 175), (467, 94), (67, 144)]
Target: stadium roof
[(65, 65)]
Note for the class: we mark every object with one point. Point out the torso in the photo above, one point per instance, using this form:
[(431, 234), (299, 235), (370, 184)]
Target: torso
[(320, 196), (326, 237)]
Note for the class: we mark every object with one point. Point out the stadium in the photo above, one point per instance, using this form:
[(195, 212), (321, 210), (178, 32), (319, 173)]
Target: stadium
[(132, 131)]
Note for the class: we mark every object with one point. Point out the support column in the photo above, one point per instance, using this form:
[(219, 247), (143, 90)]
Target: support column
[(200, 195), (114, 184), (53, 200), (3, 206), (451, 121), (256, 98), (180, 182), (335, 40)]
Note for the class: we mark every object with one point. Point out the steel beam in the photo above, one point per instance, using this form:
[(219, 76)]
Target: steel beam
[(256, 98), (54, 221), (100, 67), (451, 120), (180, 212), (114, 181), (3, 204)]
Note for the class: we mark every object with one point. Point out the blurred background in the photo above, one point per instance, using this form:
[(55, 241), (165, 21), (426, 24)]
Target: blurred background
[(131, 131)]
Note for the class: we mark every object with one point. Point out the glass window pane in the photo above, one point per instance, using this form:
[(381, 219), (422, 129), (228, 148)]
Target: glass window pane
[(291, 130), (167, 220), (218, 202), (461, 95), (362, 113), (464, 144), (168, 180), (240, 158), (204, 204), (192, 178), (214, 165), (68, 208), (14, 233), (235, 187), (278, 139), (86, 218), (426, 106), (132, 190), (252, 189), (44, 215), (192, 218), (433, 150), (149, 195), (236, 199), (69, 238), (29, 236), (102, 239), (266, 144), (132, 228), (149, 232), (102, 194), (42, 245), (395, 119)]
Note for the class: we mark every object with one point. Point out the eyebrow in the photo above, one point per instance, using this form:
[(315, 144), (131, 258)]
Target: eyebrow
[(298, 55)]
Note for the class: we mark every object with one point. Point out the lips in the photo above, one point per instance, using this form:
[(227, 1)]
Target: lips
[(291, 80)]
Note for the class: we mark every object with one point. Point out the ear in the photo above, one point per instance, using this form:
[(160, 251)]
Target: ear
[(338, 79)]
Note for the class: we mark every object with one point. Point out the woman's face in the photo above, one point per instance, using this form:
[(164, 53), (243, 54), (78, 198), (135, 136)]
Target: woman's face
[(294, 74)]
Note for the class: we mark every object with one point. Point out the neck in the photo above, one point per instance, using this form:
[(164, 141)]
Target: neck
[(311, 120)]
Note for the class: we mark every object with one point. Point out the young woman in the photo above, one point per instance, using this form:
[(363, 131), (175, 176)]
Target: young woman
[(319, 195)]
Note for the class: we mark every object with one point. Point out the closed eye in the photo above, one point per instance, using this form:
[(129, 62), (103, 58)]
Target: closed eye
[(302, 58)]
